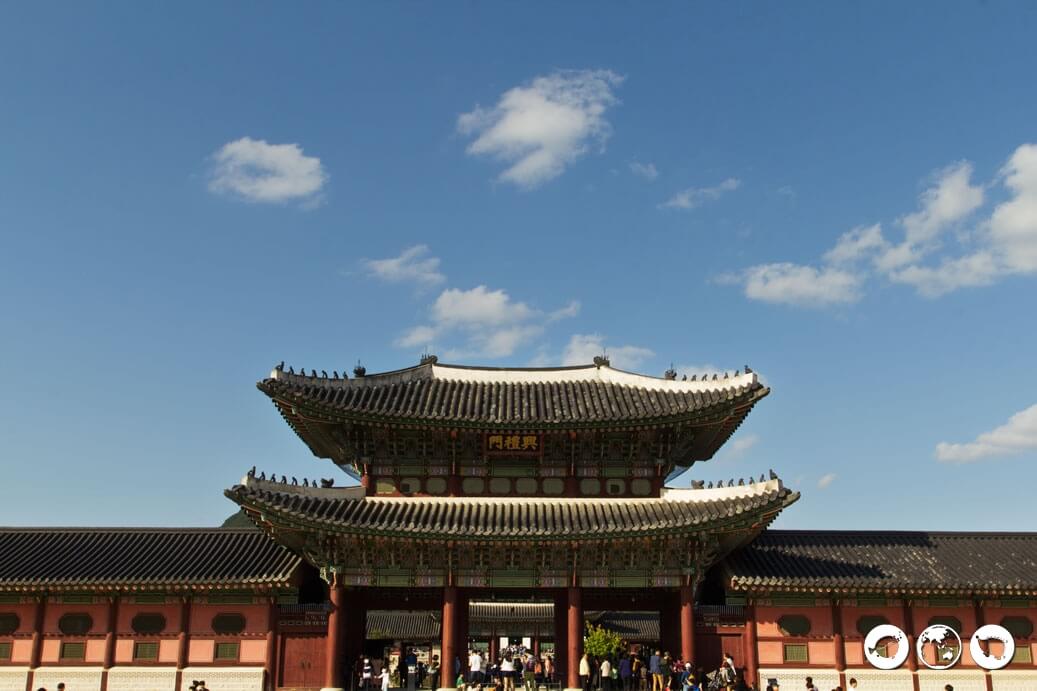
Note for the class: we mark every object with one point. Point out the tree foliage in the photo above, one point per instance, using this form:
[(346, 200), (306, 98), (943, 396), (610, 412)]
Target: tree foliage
[(599, 641)]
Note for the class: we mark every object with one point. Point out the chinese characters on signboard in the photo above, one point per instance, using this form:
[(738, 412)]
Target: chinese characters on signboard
[(508, 444)]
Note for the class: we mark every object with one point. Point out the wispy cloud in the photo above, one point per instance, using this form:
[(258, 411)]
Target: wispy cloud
[(541, 128), (1002, 243), (738, 447), (414, 265), (1015, 437), (483, 322), (826, 481), (256, 171), (797, 284), (696, 196), (583, 348), (647, 171)]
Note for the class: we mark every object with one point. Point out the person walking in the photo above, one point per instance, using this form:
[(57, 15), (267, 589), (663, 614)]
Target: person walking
[(529, 672), (626, 673), (507, 672), (655, 669)]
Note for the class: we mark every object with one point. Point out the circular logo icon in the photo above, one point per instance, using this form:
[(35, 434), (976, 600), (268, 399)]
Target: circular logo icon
[(871, 649), (946, 645), (992, 632)]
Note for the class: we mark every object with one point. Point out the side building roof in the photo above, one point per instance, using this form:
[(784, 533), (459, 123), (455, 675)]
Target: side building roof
[(33, 559), (898, 563)]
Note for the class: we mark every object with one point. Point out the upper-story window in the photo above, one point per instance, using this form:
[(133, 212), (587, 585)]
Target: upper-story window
[(228, 623), (75, 624), (148, 623), (9, 623)]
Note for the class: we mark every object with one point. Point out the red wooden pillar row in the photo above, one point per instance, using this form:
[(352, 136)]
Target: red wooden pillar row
[(574, 607)]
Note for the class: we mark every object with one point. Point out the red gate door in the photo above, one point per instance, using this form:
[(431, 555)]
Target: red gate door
[(302, 661)]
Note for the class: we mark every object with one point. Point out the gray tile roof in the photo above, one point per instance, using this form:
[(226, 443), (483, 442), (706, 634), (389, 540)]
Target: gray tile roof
[(490, 518), (517, 398), (885, 562), (152, 558)]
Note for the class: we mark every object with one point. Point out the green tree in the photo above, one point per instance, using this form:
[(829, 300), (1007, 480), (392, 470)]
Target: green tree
[(599, 641)]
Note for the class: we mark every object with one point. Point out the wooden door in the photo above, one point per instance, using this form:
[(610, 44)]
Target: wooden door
[(302, 661)]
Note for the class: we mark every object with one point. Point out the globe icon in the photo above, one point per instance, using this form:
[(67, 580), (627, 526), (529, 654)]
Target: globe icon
[(944, 645)]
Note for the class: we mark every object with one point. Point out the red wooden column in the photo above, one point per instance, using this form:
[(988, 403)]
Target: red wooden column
[(980, 621), (837, 641), (574, 607), (183, 638), (109, 639), (493, 649), (36, 651), (687, 596), (561, 625), (909, 629), (750, 644), (333, 644), (271, 644), (448, 636)]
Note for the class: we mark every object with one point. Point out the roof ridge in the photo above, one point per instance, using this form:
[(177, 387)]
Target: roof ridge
[(940, 533), (122, 529)]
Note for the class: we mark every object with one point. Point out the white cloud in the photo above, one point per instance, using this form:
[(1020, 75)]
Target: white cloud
[(583, 348), (856, 244), (1013, 224), (479, 306), (695, 196), (826, 480), (950, 199), (800, 285), (978, 269), (570, 310), (648, 171), (1017, 436), (540, 128), (738, 447), (1002, 244), (257, 171), (486, 323), (423, 335), (413, 264)]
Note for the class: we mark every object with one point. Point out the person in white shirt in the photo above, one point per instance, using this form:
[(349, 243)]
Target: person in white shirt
[(585, 672), (606, 675), (507, 672), (475, 668)]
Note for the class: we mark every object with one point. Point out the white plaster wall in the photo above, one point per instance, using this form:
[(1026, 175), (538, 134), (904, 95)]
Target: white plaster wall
[(75, 678), (792, 678), (142, 679), (13, 678), (881, 680), (1014, 681), (960, 679), (224, 678)]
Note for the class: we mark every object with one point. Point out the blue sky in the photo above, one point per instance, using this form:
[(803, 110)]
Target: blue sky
[(842, 196)]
